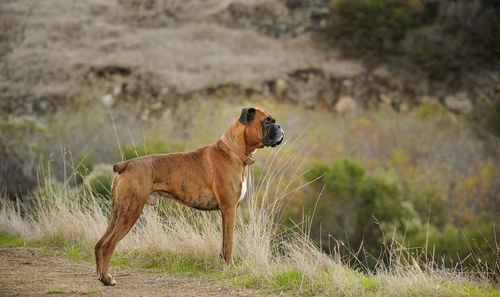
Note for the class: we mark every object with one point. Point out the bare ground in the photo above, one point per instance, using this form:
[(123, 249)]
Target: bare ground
[(28, 272)]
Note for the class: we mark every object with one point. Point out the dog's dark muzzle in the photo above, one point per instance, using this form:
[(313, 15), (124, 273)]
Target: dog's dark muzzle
[(273, 135)]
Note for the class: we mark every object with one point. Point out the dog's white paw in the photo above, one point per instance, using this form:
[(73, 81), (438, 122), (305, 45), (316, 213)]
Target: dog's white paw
[(109, 281)]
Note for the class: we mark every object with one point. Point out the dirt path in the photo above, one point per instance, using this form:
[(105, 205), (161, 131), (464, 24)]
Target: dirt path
[(28, 272)]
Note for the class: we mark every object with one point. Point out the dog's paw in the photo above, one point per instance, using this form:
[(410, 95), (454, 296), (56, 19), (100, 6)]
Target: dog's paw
[(107, 281), (112, 282)]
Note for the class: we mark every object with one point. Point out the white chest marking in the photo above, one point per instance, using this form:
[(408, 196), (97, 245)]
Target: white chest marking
[(243, 189)]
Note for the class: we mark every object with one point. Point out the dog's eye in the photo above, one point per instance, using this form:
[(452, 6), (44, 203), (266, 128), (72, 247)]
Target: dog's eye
[(267, 121)]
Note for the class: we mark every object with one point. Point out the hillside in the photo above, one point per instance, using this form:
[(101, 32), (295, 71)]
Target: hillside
[(387, 182), (156, 53)]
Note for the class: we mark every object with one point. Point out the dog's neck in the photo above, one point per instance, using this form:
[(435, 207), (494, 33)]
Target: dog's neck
[(237, 136)]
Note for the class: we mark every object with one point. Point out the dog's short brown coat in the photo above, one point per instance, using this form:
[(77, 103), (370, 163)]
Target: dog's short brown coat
[(208, 178)]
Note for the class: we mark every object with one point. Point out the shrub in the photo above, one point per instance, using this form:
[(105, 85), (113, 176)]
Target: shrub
[(472, 246), (436, 54), (356, 206), (372, 210), (430, 204), (83, 165), (429, 111), (487, 118), (100, 179), (21, 139), (373, 24), (441, 39)]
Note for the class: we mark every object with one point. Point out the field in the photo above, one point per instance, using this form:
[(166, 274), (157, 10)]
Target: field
[(274, 250)]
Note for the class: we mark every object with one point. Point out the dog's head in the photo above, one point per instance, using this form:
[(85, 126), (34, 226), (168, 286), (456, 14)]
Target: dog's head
[(261, 128)]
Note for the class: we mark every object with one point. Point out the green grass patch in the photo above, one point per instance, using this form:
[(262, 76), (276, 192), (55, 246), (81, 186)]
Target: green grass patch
[(473, 289), (283, 279), (287, 279), (7, 240), (178, 264), (118, 260), (369, 283), (74, 253), (57, 289)]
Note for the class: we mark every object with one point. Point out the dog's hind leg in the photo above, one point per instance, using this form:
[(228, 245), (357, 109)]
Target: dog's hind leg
[(126, 209), (114, 215)]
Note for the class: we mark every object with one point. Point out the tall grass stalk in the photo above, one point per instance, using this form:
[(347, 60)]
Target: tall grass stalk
[(179, 239)]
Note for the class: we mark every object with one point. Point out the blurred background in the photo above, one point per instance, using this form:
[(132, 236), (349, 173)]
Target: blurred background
[(391, 107)]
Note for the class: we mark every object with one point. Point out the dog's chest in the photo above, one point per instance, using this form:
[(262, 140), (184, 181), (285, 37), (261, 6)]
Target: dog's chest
[(243, 189)]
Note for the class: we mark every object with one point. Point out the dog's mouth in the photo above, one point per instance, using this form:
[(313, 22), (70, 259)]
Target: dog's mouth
[(280, 141), (274, 136)]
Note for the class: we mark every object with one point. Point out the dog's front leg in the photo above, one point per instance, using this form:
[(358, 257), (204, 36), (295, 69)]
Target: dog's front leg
[(228, 222)]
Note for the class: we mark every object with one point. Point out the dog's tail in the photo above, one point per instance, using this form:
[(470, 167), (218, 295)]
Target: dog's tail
[(120, 166)]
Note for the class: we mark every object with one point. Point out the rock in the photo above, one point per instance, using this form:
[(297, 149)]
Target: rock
[(459, 103), (28, 107), (156, 105), (345, 104), (145, 115), (117, 90), (428, 100), (347, 83), (319, 13), (265, 90), (403, 107), (382, 72), (307, 100), (107, 100), (280, 87), (164, 90), (384, 98), (43, 105)]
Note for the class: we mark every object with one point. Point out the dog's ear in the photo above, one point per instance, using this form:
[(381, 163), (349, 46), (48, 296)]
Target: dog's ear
[(247, 115)]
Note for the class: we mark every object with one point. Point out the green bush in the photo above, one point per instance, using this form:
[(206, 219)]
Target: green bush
[(472, 246), (440, 39), (464, 36), (83, 165), (100, 179), (357, 207), (369, 210), (373, 24), (488, 116), (430, 204), (438, 55), (429, 111), (21, 142)]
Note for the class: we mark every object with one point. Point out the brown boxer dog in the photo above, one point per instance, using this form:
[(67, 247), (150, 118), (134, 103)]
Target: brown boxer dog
[(212, 177)]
